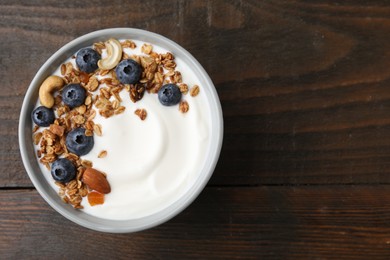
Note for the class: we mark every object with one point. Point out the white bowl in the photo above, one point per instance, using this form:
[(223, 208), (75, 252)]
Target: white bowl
[(50, 195)]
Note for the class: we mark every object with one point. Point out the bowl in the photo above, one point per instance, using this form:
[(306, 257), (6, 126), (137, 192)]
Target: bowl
[(51, 196)]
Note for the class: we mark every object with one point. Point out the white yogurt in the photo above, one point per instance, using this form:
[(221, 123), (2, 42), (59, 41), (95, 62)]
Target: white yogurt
[(150, 163)]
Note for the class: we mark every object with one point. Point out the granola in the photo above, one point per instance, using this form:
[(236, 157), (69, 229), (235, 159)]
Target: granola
[(102, 96), (141, 113), (194, 91), (184, 107)]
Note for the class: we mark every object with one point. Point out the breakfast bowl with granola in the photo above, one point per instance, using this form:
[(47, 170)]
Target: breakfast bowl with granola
[(120, 130)]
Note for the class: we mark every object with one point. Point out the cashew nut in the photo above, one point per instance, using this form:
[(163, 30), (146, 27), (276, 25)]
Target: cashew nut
[(114, 55), (48, 86)]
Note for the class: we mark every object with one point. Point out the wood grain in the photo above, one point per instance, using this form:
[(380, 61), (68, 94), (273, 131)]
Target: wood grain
[(304, 169), (303, 86), (224, 223)]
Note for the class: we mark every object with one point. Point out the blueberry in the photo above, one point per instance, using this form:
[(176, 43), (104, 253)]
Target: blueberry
[(43, 116), (128, 71), (78, 143), (73, 95), (87, 59), (63, 170), (169, 94)]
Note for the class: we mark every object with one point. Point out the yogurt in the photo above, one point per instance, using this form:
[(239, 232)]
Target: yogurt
[(149, 163)]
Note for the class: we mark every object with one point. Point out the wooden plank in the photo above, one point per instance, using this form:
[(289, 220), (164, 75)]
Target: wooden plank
[(313, 222), (303, 86)]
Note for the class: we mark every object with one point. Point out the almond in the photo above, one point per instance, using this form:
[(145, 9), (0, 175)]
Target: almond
[(96, 180)]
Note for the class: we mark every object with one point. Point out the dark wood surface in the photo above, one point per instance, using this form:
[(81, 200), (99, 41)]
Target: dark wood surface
[(305, 90)]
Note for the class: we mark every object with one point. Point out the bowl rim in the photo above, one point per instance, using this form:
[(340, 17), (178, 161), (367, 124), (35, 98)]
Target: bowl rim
[(133, 225)]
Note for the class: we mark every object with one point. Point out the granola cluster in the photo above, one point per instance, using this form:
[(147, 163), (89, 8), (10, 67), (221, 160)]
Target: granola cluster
[(102, 96)]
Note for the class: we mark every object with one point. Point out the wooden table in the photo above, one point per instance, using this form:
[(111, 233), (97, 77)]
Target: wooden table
[(304, 170)]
